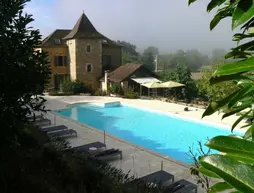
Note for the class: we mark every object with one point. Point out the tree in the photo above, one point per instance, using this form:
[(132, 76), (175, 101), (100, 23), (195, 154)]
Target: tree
[(195, 60), (129, 53), (235, 165), (181, 74), (164, 61), (148, 57), (151, 49), (149, 61), (217, 91), (128, 58), (23, 71), (178, 58), (192, 58)]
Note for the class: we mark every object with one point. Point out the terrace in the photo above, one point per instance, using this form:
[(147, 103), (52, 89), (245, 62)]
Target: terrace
[(138, 160)]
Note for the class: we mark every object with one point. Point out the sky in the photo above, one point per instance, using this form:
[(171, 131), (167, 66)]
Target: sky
[(169, 25)]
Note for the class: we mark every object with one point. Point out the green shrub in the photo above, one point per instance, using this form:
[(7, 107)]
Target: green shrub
[(100, 92), (79, 87), (115, 89), (75, 87), (130, 94), (217, 91), (66, 86)]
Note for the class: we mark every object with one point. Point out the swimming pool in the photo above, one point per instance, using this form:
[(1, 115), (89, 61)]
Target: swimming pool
[(168, 135)]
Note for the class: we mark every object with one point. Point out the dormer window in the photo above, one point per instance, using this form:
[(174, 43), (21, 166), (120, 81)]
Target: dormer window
[(58, 41), (88, 48), (89, 68)]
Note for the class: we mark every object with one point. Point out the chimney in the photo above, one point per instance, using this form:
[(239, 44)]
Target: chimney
[(106, 81)]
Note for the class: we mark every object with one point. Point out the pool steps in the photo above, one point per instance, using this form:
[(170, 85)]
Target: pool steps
[(112, 104)]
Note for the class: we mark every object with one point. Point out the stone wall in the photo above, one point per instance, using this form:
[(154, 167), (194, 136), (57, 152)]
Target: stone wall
[(94, 58), (78, 58), (115, 53), (52, 52), (72, 58)]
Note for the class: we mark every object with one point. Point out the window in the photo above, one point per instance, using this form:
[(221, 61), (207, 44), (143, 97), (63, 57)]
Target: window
[(60, 60), (58, 41), (89, 67), (88, 48), (106, 60)]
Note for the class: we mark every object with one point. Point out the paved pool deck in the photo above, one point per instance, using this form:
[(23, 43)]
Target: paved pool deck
[(136, 160)]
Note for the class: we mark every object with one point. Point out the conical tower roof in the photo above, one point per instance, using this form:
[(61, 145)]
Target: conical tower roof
[(83, 29)]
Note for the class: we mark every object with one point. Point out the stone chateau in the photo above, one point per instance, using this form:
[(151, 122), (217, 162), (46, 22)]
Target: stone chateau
[(82, 54)]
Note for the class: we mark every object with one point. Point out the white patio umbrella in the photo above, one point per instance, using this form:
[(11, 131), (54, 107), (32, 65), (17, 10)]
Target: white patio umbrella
[(171, 84), (150, 85)]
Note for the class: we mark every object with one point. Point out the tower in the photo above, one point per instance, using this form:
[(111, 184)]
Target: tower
[(85, 52)]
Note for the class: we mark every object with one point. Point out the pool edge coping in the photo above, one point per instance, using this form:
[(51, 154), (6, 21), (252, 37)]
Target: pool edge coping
[(168, 158)]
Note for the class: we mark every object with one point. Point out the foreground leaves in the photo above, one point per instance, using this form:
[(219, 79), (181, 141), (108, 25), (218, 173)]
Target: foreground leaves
[(213, 4), (233, 172), (243, 12), (219, 187), (234, 147), (236, 165), (235, 67), (216, 105), (249, 133), (191, 1)]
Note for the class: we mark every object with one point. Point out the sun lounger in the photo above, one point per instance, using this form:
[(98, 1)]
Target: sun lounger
[(54, 128), (97, 153), (42, 122), (109, 153), (182, 186), (87, 147), (159, 178), (63, 133)]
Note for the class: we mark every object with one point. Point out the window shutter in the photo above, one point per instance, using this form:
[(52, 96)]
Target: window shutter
[(65, 61), (55, 60)]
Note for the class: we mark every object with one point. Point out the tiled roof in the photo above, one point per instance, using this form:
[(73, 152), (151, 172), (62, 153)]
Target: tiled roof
[(122, 72), (83, 29), (58, 34)]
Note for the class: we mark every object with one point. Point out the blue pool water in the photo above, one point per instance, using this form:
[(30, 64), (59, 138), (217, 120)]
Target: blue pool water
[(167, 135)]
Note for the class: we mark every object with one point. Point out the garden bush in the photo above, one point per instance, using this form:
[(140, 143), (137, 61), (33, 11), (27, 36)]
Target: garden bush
[(130, 94), (75, 87), (115, 89), (100, 92)]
